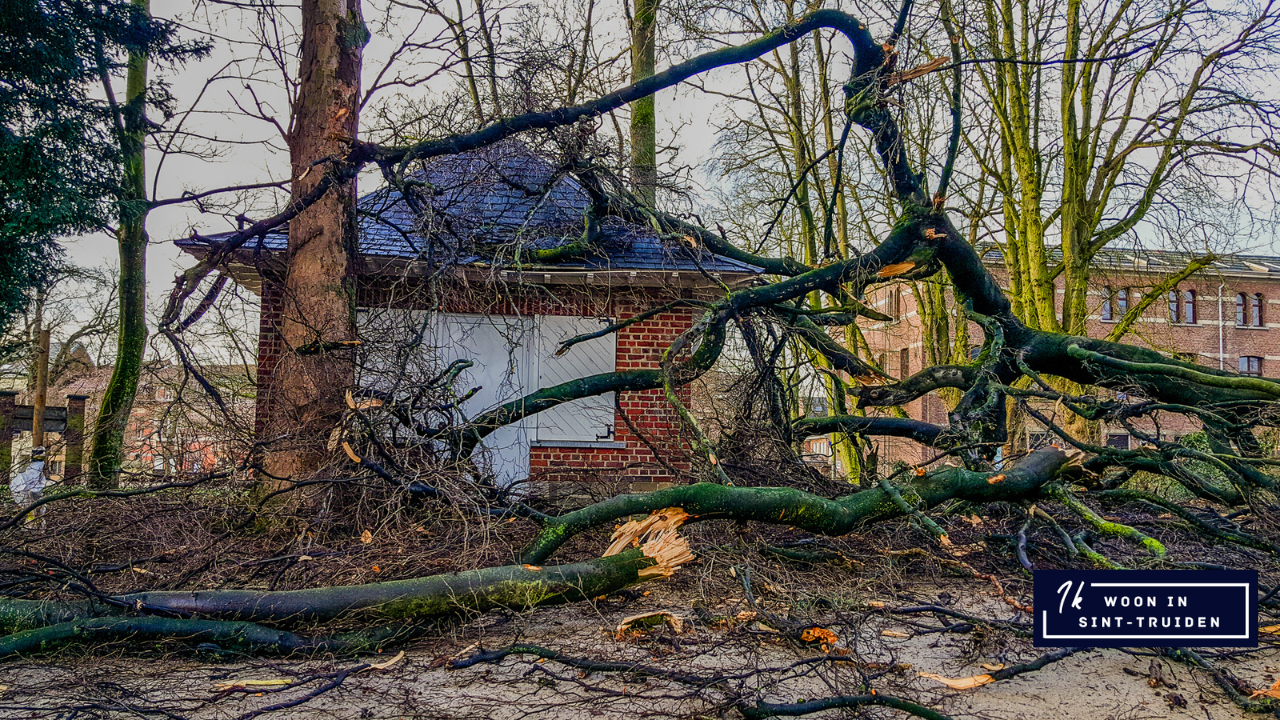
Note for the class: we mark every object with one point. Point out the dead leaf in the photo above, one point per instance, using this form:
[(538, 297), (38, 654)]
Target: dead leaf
[(1272, 692), (366, 537), (995, 479), (875, 604), (893, 634), (334, 438), (895, 269), (532, 568), (1270, 629), (968, 683), (346, 447), (646, 620), (993, 667), (820, 635)]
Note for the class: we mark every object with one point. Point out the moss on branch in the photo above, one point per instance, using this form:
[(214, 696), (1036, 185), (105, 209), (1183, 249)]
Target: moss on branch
[(787, 506)]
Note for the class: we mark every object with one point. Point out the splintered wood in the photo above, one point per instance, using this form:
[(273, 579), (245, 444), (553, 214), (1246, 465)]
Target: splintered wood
[(634, 532), (657, 538), (669, 550)]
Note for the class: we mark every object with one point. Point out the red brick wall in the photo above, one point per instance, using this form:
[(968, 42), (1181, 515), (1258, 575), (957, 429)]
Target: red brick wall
[(639, 346), (1153, 329)]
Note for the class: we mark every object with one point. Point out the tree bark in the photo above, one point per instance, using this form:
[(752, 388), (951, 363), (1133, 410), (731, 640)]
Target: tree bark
[(318, 315), (107, 454), (644, 127)]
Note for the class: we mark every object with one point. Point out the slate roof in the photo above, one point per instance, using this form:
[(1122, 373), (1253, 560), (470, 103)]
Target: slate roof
[(478, 205)]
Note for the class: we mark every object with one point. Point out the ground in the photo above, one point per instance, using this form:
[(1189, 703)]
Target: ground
[(743, 611)]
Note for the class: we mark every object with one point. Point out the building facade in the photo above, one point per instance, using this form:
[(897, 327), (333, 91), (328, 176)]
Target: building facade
[(1226, 316), (488, 269)]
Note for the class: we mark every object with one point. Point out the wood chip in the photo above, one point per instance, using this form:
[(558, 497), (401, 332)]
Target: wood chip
[(646, 620), (366, 537), (967, 683), (245, 684), (895, 269), (893, 634), (384, 665)]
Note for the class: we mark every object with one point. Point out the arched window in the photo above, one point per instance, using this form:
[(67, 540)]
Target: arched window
[(1122, 301), (1189, 307), (1255, 310), (1108, 310), (1240, 300), (1174, 315)]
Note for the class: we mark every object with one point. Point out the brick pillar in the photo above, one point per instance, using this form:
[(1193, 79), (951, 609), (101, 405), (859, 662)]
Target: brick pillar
[(73, 436), (8, 402), (270, 346)]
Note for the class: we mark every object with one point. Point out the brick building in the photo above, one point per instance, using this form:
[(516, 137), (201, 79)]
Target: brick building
[(444, 284), (1225, 316)]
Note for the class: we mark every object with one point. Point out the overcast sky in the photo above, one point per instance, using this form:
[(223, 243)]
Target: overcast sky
[(218, 93)]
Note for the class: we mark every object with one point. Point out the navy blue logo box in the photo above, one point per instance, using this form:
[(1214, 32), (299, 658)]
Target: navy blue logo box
[(1146, 608)]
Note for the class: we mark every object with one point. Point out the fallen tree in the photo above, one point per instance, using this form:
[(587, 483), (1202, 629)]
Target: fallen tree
[(793, 310)]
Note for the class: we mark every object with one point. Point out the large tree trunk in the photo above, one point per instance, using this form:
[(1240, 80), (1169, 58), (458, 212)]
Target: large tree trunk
[(318, 300), (644, 133), (117, 402)]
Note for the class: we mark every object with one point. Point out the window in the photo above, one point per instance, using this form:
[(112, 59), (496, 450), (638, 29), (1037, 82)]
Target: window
[(893, 306), (1174, 315), (1251, 365), (1189, 307), (1108, 314), (1240, 301), (1255, 311), (904, 362), (1122, 301), (1119, 441)]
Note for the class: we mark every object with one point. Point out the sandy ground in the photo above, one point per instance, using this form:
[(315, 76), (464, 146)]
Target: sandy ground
[(749, 659)]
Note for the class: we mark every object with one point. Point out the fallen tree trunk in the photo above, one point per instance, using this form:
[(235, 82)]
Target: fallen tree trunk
[(33, 624), (516, 587)]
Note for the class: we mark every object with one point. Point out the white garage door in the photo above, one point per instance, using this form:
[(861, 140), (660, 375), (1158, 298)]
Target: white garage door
[(512, 357)]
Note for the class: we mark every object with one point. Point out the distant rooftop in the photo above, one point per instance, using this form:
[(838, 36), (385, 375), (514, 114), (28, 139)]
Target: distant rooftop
[(1149, 260), (478, 205)]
